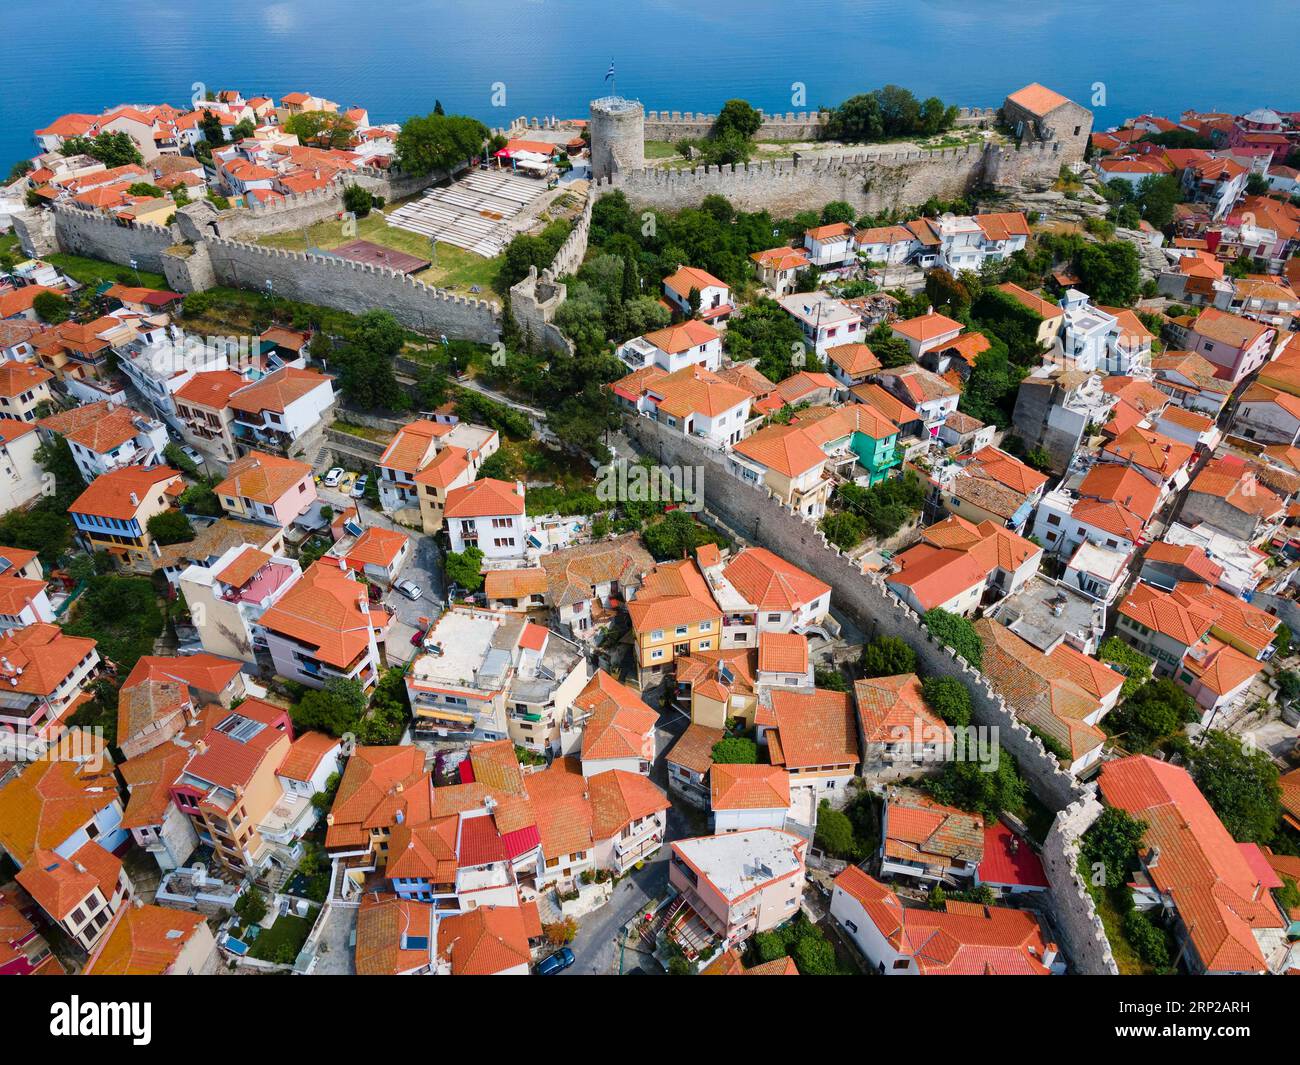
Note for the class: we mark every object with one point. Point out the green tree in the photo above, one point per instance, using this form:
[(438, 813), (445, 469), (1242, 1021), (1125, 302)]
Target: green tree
[(113, 149), (1110, 273), (887, 656), (766, 333), (815, 956), (365, 362), (1240, 782), (834, 833), (956, 632), (737, 116), (949, 698), (170, 527), (673, 537), (321, 129), (735, 750), (1157, 709), (51, 307), (336, 708), (1110, 845), (968, 785), (844, 529), (1133, 664), (1157, 196), (250, 907), (463, 568), (358, 200), (439, 142)]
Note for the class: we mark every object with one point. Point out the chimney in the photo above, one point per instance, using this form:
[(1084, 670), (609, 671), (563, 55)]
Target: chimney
[(1049, 954), (135, 500)]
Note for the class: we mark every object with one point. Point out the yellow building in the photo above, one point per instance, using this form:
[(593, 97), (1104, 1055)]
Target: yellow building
[(673, 614)]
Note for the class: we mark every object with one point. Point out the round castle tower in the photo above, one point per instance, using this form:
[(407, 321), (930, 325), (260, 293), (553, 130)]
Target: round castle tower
[(617, 136)]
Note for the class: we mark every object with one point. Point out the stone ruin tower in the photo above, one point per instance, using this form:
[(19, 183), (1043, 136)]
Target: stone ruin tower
[(617, 136)]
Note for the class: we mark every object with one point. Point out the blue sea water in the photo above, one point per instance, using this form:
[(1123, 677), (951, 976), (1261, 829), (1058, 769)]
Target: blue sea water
[(550, 56)]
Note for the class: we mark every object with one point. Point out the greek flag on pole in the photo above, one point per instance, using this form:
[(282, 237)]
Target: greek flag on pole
[(610, 73)]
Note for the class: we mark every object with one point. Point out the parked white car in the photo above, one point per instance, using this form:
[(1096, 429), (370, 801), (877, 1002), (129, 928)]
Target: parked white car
[(332, 478)]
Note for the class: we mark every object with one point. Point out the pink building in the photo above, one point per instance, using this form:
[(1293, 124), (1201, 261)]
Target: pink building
[(1236, 346), (267, 488), (732, 886)]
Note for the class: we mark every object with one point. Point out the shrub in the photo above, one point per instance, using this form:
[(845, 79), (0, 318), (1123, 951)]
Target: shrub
[(735, 750), (955, 632), (835, 833), (887, 656), (1151, 942), (949, 698)]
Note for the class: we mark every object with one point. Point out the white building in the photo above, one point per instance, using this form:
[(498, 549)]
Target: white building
[(488, 514)]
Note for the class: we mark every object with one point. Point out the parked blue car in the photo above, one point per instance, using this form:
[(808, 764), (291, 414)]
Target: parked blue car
[(556, 963)]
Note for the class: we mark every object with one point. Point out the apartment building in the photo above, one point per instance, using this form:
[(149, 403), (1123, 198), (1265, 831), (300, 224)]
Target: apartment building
[(282, 410), (24, 386), (163, 695), (22, 478), (733, 886), (228, 595), (486, 675), (673, 615), (207, 420), (60, 823), (322, 626), (113, 513), (487, 514), (267, 489), (43, 672), (785, 460), (760, 592), (106, 437)]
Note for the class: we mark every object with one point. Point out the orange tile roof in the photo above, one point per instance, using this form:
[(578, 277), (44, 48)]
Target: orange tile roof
[(377, 784), (262, 478), (377, 546), (769, 582), (1229, 479), (60, 884), (1041, 689), (305, 755), (383, 924), (919, 829), (1008, 470), (445, 467), (1038, 99), (277, 391), (49, 801), (893, 710), (1003, 225), (1161, 612), (212, 388), (782, 652), (484, 941), (98, 427), (1219, 899), (619, 719), (18, 377), (683, 336), (486, 497), (963, 939), (1230, 329), (37, 659), (243, 567), (926, 327), (323, 609), (695, 390), (782, 259), (673, 593), (749, 787), (694, 751), (145, 941), (618, 798), (109, 494), (407, 450), (853, 359), (783, 448), (564, 816), (149, 778), (1149, 450), (814, 728)]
